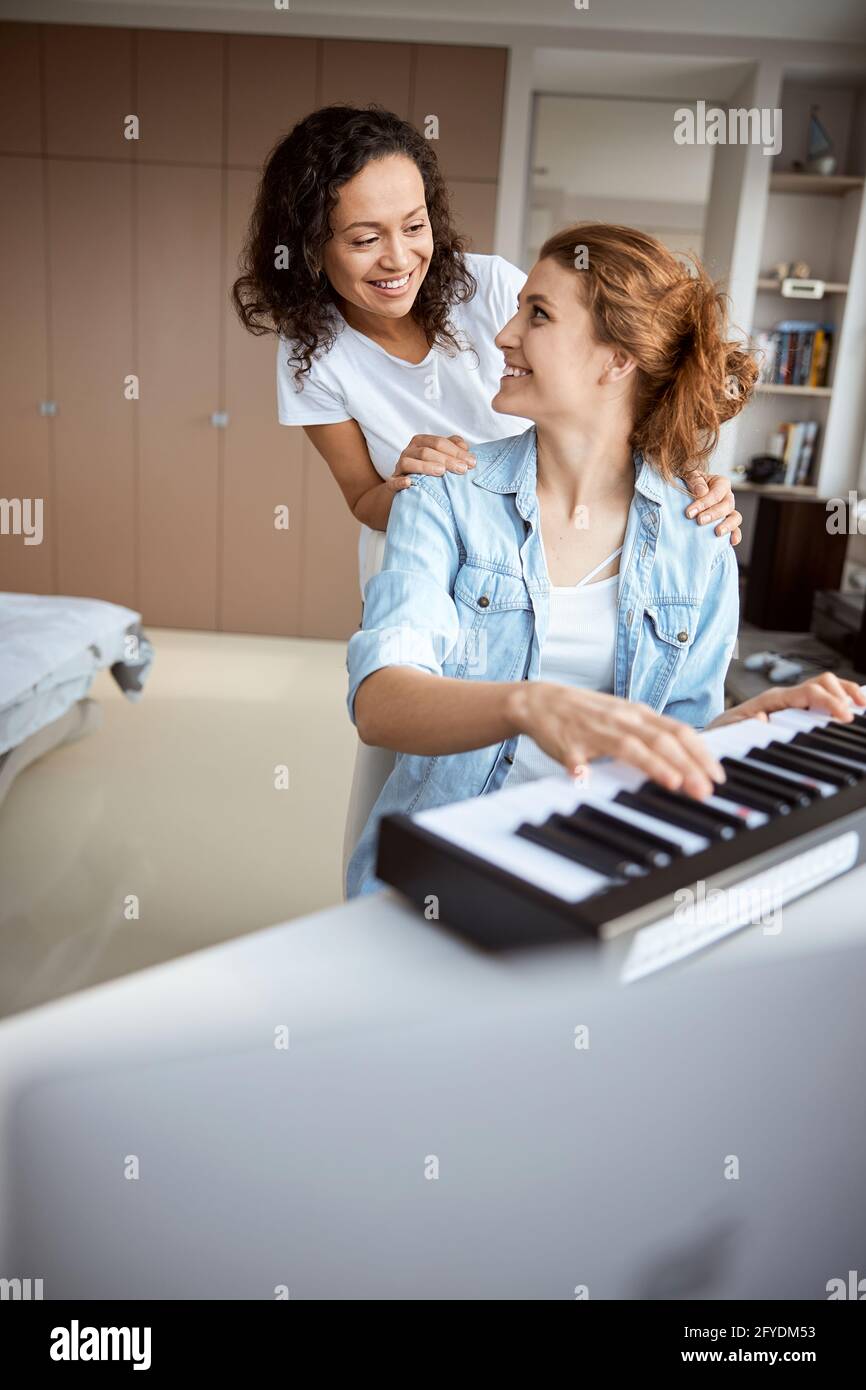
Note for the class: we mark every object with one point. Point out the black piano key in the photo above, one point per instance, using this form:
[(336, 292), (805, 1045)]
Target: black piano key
[(811, 763), (687, 803), (643, 836), (817, 743), (616, 836), (832, 741), (693, 817), (839, 734), (582, 850), (765, 782), (801, 780), (853, 730), (742, 794)]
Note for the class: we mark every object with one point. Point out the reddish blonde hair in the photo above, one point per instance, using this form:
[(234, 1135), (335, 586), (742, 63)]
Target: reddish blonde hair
[(673, 321)]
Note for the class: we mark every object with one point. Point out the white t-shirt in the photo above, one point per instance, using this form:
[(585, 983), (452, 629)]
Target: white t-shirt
[(578, 650), (393, 400)]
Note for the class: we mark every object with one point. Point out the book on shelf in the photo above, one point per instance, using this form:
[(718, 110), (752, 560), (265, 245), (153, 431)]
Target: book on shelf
[(795, 353), (794, 446)]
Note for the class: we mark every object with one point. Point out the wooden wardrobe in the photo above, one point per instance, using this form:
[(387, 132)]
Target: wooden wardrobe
[(134, 403)]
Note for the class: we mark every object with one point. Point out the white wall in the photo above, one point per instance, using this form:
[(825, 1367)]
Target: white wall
[(615, 148), (840, 21), (735, 225), (615, 160)]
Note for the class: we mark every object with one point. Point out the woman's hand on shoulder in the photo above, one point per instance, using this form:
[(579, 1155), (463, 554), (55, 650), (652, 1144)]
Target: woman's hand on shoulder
[(574, 726), (714, 501), (433, 454), (826, 693)]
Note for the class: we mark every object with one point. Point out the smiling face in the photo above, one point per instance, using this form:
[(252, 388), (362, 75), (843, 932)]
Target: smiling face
[(554, 367), (382, 242)]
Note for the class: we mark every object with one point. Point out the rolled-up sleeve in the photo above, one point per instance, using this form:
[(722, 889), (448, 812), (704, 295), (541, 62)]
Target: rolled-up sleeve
[(410, 618)]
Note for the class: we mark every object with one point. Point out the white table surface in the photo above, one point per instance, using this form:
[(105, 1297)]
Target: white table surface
[(362, 967), (369, 962)]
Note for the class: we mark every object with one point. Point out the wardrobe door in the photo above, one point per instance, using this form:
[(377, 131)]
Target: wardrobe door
[(25, 453), (473, 206), (361, 72), (271, 84), (179, 286), (88, 91), (179, 96), (464, 88), (20, 89), (90, 269), (263, 471)]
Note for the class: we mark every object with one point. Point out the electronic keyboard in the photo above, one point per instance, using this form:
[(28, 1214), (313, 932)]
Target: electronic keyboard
[(558, 859)]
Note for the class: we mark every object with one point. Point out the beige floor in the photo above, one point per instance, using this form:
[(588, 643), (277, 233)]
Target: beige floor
[(173, 800)]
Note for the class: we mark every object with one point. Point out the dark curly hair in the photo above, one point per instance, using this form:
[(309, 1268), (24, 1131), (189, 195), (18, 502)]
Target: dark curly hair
[(300, 184)]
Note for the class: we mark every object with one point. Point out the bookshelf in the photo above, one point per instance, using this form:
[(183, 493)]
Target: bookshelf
[(819, 220), (766, 283), (817, 185), (768, 389), (804, 491)]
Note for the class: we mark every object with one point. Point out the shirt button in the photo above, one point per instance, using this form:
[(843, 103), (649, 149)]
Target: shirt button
[(682, 636), (628, 617), (484, 602), (507, 759)]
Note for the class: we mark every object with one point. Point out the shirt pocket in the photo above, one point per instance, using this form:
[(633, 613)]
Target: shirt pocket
[(668, 632), (496, 624)]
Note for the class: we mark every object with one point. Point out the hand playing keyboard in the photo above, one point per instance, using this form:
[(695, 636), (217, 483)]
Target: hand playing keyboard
[(825, 692), (573, 726), (549, 861)]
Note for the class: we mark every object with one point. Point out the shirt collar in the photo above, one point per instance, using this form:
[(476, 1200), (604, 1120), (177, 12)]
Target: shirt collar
[(513, 469)]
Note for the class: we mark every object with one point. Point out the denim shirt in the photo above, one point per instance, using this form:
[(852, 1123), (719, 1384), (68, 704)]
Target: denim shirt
[(464, 592)]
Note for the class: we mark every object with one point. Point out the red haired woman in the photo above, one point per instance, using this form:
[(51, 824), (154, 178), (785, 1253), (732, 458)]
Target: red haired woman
[(557, 606)]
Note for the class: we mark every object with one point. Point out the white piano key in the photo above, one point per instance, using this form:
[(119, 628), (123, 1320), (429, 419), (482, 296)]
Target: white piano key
[(810, 718), (803, 720), (487, 826), (732, 806), (755, 731)]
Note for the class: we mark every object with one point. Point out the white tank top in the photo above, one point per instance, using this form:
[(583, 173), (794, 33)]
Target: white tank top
[(578, 650)]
